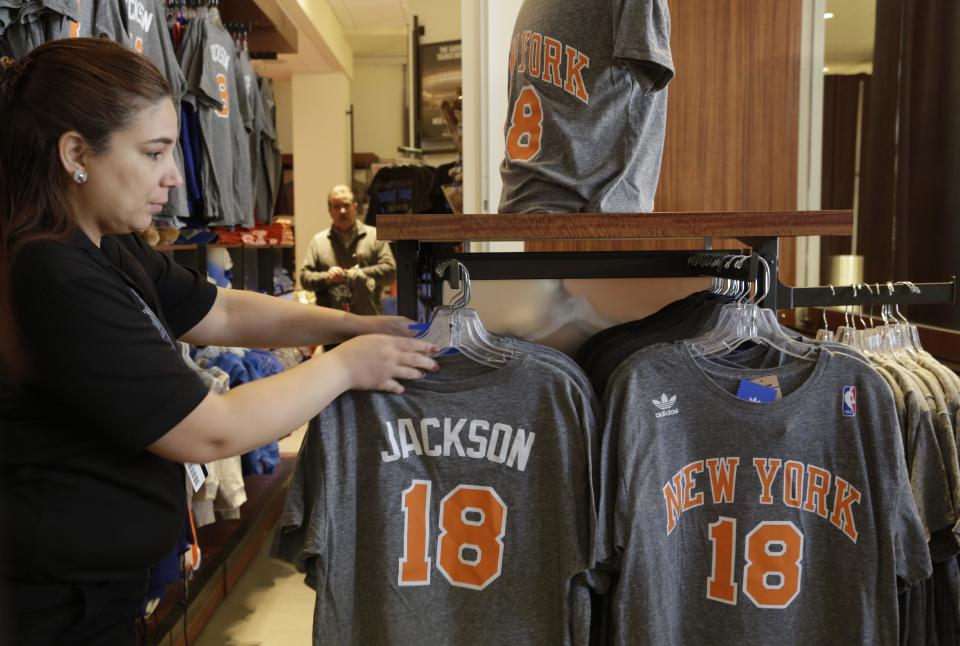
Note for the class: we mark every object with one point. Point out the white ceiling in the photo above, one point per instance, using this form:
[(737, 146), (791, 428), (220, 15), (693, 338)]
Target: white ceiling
[(360, 15), (849, 36), (374, 27)]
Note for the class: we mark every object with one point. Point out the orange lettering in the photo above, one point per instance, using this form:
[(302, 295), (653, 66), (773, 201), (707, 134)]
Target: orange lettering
[(792, 483), (526, 126), (223, 112), (483, 534), (720, 583), (767, 470), (535, 50), (842, 517), (574, 84), (415, 564), (671, 496), (689, 499), (551, 61), (723, 478), (524, 42), (818, 487), (763, 563)]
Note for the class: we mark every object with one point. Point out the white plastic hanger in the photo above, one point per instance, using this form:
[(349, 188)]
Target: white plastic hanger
[(825, 333), (742, 322), (912, 334), (458, 327)]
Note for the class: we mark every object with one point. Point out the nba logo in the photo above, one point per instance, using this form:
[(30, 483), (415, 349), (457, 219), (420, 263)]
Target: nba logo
[(849, 401)]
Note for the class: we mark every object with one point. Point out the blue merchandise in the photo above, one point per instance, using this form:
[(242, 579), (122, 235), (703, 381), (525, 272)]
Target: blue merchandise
[(266, 363), (261, 461), (233, 366), (168, 570)]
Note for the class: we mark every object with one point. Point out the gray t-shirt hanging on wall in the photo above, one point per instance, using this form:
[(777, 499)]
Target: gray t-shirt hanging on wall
[(587, 106), (208, 60), (460, 512), (270, 168), (737, 522), (39, 22), (245, 177), (147, 33)]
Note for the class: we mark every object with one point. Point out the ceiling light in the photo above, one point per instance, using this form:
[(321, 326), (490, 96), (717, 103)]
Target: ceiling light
[(826, 69), (828, 15)]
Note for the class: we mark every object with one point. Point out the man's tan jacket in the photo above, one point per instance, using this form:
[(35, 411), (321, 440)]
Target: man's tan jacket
[(368, 261)]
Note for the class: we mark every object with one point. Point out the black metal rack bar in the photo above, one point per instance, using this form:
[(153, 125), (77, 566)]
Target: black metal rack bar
[(929, 294), (559, 264)]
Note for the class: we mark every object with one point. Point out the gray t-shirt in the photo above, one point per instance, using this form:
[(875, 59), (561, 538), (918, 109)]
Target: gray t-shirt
[(587, 106), (245, 179), (736, 522), (460, 512), (270, 167), (37, 22), (147, 33), (927, 465), (208, 60)]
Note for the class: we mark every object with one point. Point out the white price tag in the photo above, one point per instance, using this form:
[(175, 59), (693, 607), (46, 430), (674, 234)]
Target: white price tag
[(196, 475)]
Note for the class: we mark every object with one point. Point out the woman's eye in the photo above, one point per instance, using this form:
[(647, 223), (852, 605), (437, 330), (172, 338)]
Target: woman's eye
[(155, 156)]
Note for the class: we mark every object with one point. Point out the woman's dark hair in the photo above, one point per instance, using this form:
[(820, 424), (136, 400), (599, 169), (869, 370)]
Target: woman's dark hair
[(91, 86)]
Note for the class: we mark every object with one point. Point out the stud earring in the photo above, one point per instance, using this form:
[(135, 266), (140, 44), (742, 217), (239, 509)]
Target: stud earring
[(80, 176)]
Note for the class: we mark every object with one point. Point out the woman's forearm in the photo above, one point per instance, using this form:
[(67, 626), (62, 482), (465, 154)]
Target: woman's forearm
[(250, 320), (254, 414), (262, 411)]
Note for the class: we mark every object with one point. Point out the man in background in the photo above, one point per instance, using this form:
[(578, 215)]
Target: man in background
[(346, 266)]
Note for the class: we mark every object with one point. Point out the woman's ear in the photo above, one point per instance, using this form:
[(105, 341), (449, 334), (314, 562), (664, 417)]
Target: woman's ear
[(74, 152)]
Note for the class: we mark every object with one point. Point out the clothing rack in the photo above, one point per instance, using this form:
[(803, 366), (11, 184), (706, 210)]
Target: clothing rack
[(193, 4), (238, 27), (424, 241)]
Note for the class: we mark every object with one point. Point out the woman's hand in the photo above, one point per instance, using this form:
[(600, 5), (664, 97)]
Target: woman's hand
[(380, 361), (393, 325)]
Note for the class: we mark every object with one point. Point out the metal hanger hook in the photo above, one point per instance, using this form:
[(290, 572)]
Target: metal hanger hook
[(848, 313), (913, 289), (463, 298), (766, 281), (870, 291), (826, 324)]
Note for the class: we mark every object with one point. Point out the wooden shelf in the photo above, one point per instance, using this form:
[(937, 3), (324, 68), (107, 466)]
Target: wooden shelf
[(608, 226), (228, 245), (227, 548), (176, 247), (239, 245)]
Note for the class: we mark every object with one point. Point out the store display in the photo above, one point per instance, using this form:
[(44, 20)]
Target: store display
[(733, 483)]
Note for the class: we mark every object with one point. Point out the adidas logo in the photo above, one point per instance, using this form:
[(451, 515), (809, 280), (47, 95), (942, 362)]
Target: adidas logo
[(667, 406)]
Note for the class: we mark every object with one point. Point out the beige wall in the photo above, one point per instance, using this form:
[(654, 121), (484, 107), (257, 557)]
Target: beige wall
[(321, 149), (441, 19), (283, 95), (378, 108)]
